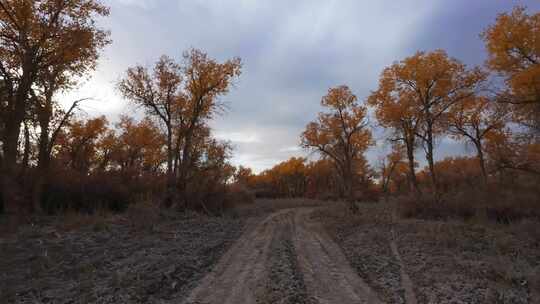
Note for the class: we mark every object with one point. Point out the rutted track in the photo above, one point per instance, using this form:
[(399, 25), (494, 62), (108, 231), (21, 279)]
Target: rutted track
[(314, 269)]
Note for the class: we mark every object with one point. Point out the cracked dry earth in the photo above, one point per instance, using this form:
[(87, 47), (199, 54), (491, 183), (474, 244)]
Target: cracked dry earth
[(285, 258)]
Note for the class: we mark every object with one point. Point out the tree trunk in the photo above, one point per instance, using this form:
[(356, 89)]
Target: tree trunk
[(169, 192), (429, 158), (11, 194), (16, 110), (481, 160), (39, 184), (43, 159), (413, 182), (184, 167), (349, 188), (26, 153)]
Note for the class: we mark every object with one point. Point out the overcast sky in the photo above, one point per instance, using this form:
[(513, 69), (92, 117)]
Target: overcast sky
[(292, 52)]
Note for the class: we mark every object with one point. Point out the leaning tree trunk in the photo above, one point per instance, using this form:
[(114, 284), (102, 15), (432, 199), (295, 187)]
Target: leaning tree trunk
[(481, 160), (429, 158), (26, 153)]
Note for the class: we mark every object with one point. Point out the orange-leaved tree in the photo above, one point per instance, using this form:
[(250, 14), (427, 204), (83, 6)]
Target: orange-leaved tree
[(183, 96), (508, 152), (78, 147), (139, 147), (243, 176), (428, 85), (44, 46), (341, 134), (396, 110), (322, 179), (160, 94), (206, 80), (513, 45)]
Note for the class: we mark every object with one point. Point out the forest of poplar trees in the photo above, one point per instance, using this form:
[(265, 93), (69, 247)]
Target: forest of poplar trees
[(53, 159)]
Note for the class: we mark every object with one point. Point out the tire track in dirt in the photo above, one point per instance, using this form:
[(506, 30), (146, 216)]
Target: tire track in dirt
[(406, 282), (238, 276), (285, 283), (328, 275), (286, 257)]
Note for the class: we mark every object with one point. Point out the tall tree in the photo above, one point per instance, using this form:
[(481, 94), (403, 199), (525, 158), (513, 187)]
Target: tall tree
[(431, 83), (340, 134), (160, 95), (183, 97), (38, 36), (206, 80), (396, 110)]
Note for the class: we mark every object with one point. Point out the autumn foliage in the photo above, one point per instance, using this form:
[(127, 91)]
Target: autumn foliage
[(298, 177), (55, 159), (431, 96), (342, 135)]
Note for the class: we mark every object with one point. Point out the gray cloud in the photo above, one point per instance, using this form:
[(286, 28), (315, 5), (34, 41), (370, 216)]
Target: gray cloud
[(293, 51)]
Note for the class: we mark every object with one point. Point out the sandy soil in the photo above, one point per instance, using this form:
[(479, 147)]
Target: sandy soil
[(245, 273), (432, 261), (274, 251), (113, 261)]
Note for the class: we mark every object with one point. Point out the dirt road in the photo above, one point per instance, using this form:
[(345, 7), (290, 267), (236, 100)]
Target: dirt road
[(286, 258)]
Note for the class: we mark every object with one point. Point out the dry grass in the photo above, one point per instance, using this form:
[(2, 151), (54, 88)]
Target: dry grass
[(72, 221), (449, 260), (498, 206), (137, 257), (144, 215), (365, 240), (238, 195)]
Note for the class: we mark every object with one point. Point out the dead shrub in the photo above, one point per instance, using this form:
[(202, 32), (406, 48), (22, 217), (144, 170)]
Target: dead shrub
[(511, 206), (503, 206), (238, 195), (265, 193), (73, 220), (442, 235), (69, 190), (370, 194), (143, 215), (218, 199), (410, 206), (428, 207)]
